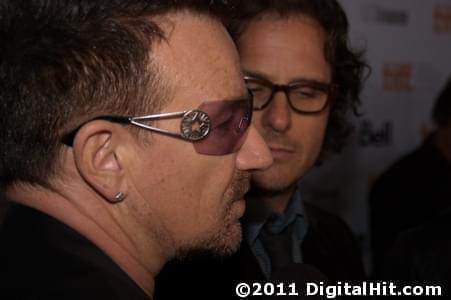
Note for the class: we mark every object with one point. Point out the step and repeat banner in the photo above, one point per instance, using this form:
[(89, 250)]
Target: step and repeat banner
[(408, 46)]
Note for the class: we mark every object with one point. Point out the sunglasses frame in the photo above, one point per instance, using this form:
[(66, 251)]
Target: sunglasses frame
[(189, 118), (186, 133)]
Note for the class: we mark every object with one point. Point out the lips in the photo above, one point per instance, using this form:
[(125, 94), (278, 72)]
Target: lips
[(240, 187), (280, 152), (245, 189)]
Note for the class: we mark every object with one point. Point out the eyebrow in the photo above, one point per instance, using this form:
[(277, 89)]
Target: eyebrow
[(262, 76), (243, 95)]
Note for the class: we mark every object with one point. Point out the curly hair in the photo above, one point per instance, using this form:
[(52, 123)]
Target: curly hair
[(63, 62), (348, 66)]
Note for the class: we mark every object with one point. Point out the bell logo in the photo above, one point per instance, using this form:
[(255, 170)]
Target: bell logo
[(442, 19)]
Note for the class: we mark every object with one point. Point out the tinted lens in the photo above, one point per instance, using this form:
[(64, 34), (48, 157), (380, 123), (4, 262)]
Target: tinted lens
[(229, 123)]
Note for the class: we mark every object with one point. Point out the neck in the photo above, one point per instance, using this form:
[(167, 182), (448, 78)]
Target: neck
[(94, 220), (443, 142)]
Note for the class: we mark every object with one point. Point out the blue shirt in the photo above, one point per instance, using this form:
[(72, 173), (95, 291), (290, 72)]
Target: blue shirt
[(293, 213)]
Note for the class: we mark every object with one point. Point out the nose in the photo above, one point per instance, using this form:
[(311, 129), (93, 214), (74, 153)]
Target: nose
[(254, 154), (278, 114)]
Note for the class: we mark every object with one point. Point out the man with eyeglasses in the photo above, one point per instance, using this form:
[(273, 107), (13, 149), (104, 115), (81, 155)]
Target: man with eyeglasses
[(123, 143), (305, 80)]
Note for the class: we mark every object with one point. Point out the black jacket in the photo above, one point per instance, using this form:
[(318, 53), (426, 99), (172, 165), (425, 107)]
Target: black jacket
[(43, 259), (329, 246), (414, 190)]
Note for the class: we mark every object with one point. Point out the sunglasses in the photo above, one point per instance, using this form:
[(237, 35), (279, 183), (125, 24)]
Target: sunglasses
[(215, 128)]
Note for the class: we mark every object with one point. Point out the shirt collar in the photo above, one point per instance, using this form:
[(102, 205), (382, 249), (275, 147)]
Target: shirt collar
[(295, 208)]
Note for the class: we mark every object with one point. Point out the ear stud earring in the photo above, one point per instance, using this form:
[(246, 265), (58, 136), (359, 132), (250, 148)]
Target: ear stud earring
[(119, 197)]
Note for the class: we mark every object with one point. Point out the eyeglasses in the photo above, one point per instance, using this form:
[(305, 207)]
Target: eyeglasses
[(306, 97), (215, 128)]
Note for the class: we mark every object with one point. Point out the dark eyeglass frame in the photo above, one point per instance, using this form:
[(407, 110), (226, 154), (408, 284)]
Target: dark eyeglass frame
[(329, 88)]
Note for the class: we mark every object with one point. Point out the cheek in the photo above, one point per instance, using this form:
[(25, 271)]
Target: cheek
[(169, 176), (310, 131), (194, 196), (214, 180), (257, 120), (200, 204), (182, 182)]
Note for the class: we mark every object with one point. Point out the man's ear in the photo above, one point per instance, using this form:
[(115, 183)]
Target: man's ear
[(97, 160)]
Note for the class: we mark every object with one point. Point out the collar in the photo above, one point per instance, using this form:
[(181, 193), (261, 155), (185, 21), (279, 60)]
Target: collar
[(278, 221)]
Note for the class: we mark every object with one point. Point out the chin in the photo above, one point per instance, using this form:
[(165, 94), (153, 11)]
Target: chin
[(271, 182), (279, 178), (227, 242), (223, 242)]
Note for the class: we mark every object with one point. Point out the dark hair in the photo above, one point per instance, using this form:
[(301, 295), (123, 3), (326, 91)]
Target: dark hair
[(348, 66), (63, 62), (442, 108)]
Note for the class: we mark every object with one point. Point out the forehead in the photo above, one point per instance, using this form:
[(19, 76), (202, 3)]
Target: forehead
[(284, 48), (198, 59)]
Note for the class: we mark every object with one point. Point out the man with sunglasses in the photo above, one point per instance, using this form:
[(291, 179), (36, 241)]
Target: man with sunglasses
[(123, 143), (305, 80)]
